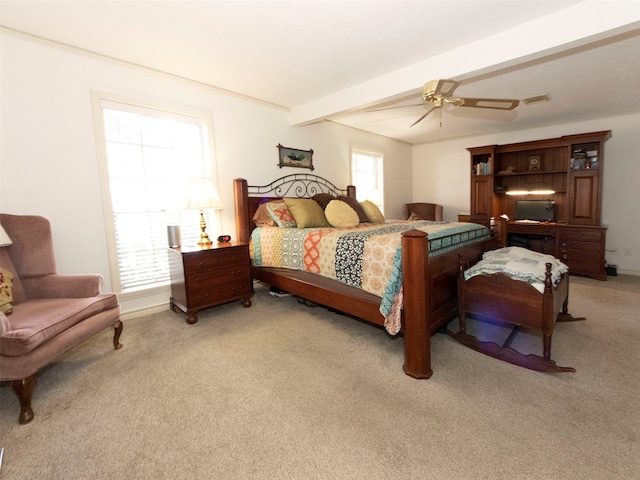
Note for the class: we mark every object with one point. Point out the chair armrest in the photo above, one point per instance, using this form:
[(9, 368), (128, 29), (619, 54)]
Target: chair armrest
[(62, 286)]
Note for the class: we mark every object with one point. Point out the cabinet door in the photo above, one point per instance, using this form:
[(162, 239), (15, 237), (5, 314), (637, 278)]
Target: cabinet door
[(583, 198), (481, 198)]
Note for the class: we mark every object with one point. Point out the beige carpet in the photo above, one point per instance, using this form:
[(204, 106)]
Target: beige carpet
[(285, 391)]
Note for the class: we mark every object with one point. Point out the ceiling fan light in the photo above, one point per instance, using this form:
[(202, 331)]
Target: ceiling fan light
[(438, 87), (446, 87)]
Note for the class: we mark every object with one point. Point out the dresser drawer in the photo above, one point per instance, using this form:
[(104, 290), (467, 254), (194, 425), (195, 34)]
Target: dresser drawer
[(218, 277), (588, 246), (578, 234), (222, 258)]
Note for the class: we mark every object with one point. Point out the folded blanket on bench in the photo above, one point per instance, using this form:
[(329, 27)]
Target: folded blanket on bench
[(520, 264)]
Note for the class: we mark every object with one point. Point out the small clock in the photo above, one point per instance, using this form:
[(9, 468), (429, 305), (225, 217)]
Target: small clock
[(535, 163)]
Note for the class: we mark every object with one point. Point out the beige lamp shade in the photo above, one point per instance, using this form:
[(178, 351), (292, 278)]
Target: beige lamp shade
[(5, 241), (203, 194)]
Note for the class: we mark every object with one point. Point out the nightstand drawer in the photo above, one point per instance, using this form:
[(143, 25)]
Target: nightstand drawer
[(218, 277), (225, 258), (219, 294)]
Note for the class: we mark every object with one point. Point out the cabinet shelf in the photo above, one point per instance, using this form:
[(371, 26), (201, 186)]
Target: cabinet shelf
[(537, 172)]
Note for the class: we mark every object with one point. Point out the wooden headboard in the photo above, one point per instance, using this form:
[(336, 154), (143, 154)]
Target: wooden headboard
[(247, 198)]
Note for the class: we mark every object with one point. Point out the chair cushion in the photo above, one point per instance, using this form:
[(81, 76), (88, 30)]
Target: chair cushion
[(36, 321)]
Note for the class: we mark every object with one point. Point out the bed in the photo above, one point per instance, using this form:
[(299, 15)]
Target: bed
[(428, 276), (515, 287)]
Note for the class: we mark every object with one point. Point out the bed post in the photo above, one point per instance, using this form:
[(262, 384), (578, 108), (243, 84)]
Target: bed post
[(500, 230), (417, 332), (240, 196)]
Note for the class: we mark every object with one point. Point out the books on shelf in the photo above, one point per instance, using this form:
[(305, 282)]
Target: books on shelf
[(482, 168)]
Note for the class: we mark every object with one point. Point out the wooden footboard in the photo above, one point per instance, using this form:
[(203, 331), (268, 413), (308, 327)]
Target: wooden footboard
[(429, 284)]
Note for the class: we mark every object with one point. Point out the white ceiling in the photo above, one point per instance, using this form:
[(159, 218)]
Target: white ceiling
[(336, 60)]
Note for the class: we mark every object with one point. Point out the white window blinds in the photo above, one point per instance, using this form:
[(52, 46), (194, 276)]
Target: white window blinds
[(150, 153)]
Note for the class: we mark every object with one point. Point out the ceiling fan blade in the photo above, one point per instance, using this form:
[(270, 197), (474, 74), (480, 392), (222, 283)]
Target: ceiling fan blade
[(392, 108), (493, 103), (422, 117)]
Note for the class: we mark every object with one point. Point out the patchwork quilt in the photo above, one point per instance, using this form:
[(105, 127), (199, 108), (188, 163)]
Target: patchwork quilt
[(367, 256)]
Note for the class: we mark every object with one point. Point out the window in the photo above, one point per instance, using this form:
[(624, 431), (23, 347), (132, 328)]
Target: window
[(147, 155), (366, 175)]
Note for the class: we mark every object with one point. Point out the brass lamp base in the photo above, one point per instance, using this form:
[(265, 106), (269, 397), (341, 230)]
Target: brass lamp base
[(204, 241)]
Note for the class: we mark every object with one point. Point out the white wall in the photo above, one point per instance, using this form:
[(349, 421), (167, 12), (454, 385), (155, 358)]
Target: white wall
[(441, 174), (49, 166)]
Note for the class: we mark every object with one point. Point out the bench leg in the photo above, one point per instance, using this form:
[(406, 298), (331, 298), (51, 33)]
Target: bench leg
[(24, 391)]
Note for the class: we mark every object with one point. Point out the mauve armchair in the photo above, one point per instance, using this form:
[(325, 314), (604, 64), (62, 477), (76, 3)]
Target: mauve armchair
[(50, 313)]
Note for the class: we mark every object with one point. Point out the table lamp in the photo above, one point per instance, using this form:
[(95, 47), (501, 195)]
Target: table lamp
[(203, 194)]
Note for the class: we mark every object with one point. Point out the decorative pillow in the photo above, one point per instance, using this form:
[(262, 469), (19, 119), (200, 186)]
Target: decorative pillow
[(414, 216), (6, 291), (262, 218), (306, 212), (372, 211), (5, 326), (353, 203), (323, 199), (339, 214), (281, 214), (7, 265)]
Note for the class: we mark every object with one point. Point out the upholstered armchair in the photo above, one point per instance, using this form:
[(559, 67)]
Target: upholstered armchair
[(422, 211), (43, 314)]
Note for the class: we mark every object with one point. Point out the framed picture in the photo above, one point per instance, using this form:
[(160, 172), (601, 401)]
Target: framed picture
[(293, 157)]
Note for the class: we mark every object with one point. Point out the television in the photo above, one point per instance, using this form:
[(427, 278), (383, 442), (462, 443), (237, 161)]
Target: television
[(536, 210)]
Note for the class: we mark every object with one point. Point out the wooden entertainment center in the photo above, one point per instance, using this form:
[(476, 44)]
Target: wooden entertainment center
[(572, 167)]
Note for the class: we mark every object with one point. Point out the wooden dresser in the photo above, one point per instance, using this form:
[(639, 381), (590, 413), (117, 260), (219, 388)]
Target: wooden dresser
[(206, 277)]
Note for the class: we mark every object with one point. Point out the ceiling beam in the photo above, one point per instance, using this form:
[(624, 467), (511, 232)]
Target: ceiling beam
[(585, 23)]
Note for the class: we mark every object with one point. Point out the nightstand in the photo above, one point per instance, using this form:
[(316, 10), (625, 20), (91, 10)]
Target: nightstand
[(210, 276)]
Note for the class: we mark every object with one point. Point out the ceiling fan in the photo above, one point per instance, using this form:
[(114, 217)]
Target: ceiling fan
[(439, 92)]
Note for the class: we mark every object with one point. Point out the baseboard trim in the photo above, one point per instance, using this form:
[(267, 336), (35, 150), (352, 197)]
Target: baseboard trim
[(141, 312), (635, 273)]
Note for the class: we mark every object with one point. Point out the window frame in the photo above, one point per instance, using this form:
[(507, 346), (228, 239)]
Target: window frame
[(379, 173), (98, 101)]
